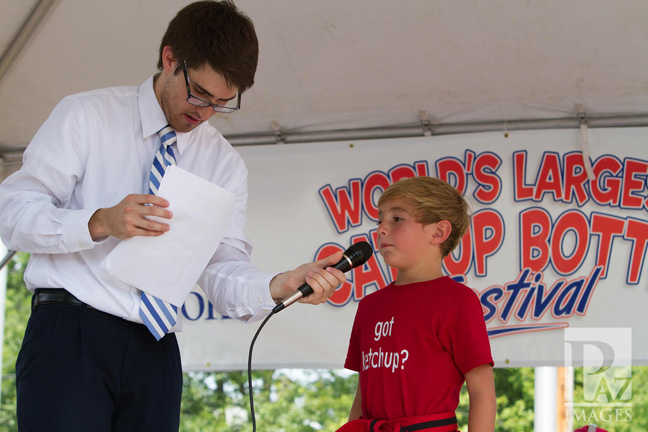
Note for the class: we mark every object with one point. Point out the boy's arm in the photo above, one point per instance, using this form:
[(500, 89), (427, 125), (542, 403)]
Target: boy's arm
[(483, 406), (356, 407)]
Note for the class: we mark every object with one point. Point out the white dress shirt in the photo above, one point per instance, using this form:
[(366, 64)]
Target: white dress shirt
[(94, 149)]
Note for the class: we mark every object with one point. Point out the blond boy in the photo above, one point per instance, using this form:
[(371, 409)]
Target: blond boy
[(416, 341)]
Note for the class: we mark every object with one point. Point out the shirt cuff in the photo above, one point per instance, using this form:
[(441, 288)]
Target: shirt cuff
[(260, 296), (76, 235)]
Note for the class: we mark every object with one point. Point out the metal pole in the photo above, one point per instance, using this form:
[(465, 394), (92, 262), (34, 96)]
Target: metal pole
[(416, 130), (546, 387), (8, 256), (23, 34)]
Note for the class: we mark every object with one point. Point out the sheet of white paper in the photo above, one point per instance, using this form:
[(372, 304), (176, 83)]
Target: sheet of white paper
[(168, 266)]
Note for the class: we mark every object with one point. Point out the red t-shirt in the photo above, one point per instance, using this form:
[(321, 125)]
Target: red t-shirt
[(413, 344)]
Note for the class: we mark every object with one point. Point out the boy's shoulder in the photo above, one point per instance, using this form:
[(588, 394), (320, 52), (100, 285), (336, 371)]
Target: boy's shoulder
[(457, 292), (443, 286), (459, 286)]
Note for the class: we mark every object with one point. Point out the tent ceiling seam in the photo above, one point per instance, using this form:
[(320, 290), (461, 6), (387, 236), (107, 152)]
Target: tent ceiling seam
[(416, 129)]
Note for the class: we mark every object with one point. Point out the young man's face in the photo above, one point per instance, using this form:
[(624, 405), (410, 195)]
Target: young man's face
[(403, 242), (204, 83)]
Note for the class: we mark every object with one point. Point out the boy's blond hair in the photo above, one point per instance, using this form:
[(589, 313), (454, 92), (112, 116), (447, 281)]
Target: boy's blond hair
[(434, 200)]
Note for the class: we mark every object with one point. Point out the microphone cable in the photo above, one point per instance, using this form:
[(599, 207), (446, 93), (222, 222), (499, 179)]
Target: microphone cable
[(250, 389), (357, 254)]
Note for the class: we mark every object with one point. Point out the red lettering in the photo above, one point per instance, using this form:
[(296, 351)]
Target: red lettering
[(575, 179), (637, 232), (469, 158), (344, 207), (488, 234), (490, 185), (606, 227), (632, 170), (460, 265), (451, 171), (549, 177), (535, 228), (575, 222), (606, 189), (522, 192), (400, 172), (374, 181), (421, 168)]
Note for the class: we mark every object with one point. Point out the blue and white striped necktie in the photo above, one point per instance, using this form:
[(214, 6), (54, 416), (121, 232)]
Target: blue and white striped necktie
[(158, 315)]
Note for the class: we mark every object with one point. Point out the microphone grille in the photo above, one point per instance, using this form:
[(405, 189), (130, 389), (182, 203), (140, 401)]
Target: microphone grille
[(359, 253)]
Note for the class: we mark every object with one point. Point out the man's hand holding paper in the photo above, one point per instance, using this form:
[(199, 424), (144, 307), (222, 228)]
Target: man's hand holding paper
[(168, 266), (131, 217)]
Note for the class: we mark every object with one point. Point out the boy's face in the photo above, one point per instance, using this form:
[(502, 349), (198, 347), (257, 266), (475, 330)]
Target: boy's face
[(404, 243)]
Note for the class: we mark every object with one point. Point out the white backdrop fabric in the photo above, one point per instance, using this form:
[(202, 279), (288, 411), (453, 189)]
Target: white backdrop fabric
[(548, 249)]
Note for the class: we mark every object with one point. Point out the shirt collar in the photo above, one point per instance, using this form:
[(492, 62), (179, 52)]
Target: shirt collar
[(153, 118)]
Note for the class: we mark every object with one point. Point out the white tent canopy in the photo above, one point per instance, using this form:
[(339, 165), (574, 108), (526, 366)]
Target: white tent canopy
[(347, 65)]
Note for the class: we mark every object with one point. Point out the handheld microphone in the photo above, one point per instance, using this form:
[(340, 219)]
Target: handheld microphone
[(357, 254)]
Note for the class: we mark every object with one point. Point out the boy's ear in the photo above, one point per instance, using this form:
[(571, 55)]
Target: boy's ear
[(440, 231)]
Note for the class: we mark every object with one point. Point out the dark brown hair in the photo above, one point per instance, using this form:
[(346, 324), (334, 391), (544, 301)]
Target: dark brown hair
[(218, 34)]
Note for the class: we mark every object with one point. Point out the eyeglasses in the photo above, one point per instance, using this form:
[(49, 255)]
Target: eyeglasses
[(195, 100)]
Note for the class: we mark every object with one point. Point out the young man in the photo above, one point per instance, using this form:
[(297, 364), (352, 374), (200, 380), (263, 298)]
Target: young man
[(415, 341), (87, 362)]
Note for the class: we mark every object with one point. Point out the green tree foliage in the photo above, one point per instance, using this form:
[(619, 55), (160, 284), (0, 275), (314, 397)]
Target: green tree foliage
[(286, 401), (17, 306), (617, 408), (515, 393), (515, 398)]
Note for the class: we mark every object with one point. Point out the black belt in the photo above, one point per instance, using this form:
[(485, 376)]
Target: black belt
[(43, 296), (446, 421), (422, 426)]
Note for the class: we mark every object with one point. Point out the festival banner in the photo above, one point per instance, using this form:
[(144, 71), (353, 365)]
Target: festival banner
[(548, 249)]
